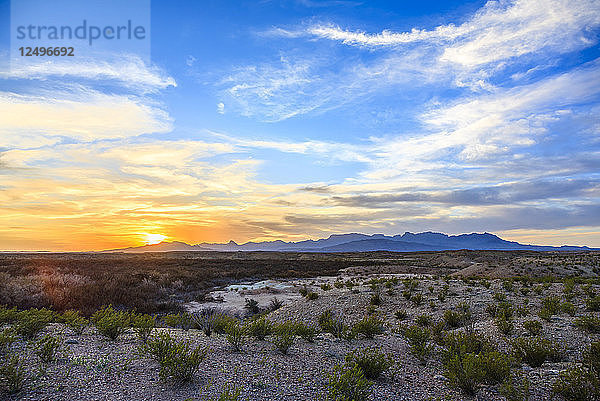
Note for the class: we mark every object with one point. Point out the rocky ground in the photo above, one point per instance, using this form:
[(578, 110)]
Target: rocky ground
[(92, 367)]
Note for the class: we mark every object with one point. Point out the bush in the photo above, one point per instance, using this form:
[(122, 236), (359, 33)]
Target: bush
[(306, 332), (252, 306), (465, 373), (417, 299), (505, 326), (30, 322), (221, 322), (179, 360), (534, 327), (8, 315), (7, 337), (577, 384), (206, 319), (259, 328), (111, 323), (375, 299), (515, 391), (452, 319), (143, 325), (13, 374), (568, 308), (235, 335), (284, 337), (418, 338), (46, 348), (230, 393), (348, 383), (368, 327), (76, 322), (589, 323), (423, 320), (311, 296), (330, 324), (534, 351), (591, 358), (303, 291), (275, 304), (372, 362), (550, 307), (401, 314), (325, 287), (593, 304)]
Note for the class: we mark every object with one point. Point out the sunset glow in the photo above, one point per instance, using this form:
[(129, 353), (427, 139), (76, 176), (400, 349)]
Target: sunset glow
[(152, 239)]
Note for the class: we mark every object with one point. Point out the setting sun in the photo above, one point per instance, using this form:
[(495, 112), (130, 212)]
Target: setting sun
[(152, 239)]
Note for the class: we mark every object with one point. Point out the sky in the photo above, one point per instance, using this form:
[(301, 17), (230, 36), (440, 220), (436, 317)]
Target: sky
[(299, 119)]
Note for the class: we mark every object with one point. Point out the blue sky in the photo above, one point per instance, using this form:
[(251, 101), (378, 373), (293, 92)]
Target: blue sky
[(299, 119)]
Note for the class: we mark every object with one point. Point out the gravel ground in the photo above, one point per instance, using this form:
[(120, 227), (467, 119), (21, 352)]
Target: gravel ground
[(91, 367)]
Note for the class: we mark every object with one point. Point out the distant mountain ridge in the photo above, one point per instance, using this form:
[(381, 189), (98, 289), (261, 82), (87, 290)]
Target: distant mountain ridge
[(355, 242)]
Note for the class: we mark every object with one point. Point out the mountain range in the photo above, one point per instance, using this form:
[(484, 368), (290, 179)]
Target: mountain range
[(354, 242)]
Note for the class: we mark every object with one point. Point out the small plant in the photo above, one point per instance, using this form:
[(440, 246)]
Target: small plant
[(401, 314), (306, 332), (338, 284), (230, 393), (8, 315), (577, 384), (303, 291), (252, 306), (534, 351), (311, 296), (500, 296), (325, 287), (143, 325), (417, 299), (514, 390), (221, 322), (504, 325), (46, 348), (593, 304), (111, 323), (452, 319), (275, 304), (30, 322), (330, 324), (418, 338), (235, 335), (375, 299), (13, 374), (259, 328), (206, 319), (372, 362), (284, 337), (568, 308), (534, 327), (179, 360), (76, 322), (368, 327), (589, 323), (550, 307), (423, 320), (7, 337), (348, 383)]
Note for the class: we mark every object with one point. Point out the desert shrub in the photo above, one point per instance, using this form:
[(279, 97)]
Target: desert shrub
[(306, 332), (593, 304), (229, 393), (74, 320), (30, 322), (504, 325), (550, 307), (505, 310), (401, 314), (589, 323), (111, 323), (347, 383), (371, 361), (338, 284), (591, 358), (508, 285), (7, 337), (234, 333), (252, 306), (465, 373), (568, 308), (13, 374), (514, 390), (534, 327), (407, 294), (325, 287), (259, 328), (368, 327), (311, 296), (375, 299), (418, 338), (589, 290), (143, 325), (534, 351), (330, 324), (47, 347), (452, 319), (437, 332), (206, 319), (577, 384), (492, 310), (8, 315), (283, 337), (417, 299), (496, 366), (499, 296), (275, 304), (303, 291), (221, 322), (423, 320), (172, 320), (461, 343), (179, 360)]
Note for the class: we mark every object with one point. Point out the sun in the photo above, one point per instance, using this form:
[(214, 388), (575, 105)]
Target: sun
[(152, 239)]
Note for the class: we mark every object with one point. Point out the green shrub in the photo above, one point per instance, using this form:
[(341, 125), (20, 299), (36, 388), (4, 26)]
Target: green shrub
[(401, 314), (311, 296), (499, 296), (330, 324), (235, 335), (143, 325), (550, 307), (418, 338), (568, 308), (534, 327), (206, 319), (303, 291), (589, 323), (338, 284), (534, 351), (30, 322), (306, 332), (437, 332), (76, 322), (452, 319), (179, 360), (348, 383), (417, 299), (46, 348), (460, 344), (252, 306), (423, 320), (275, 304), (371, 361), (13, 374), (284, 337), (7, 337), (492, 310), (375, 299), (368, 327), (259, 328), (505, 310), (221, 322), (515, 391), (593, 304), (577, 384), (230, 393), (591, 358), (8, 315), (505, 326), (496, 366), (465, 373), (111, 323), (325, 287)]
